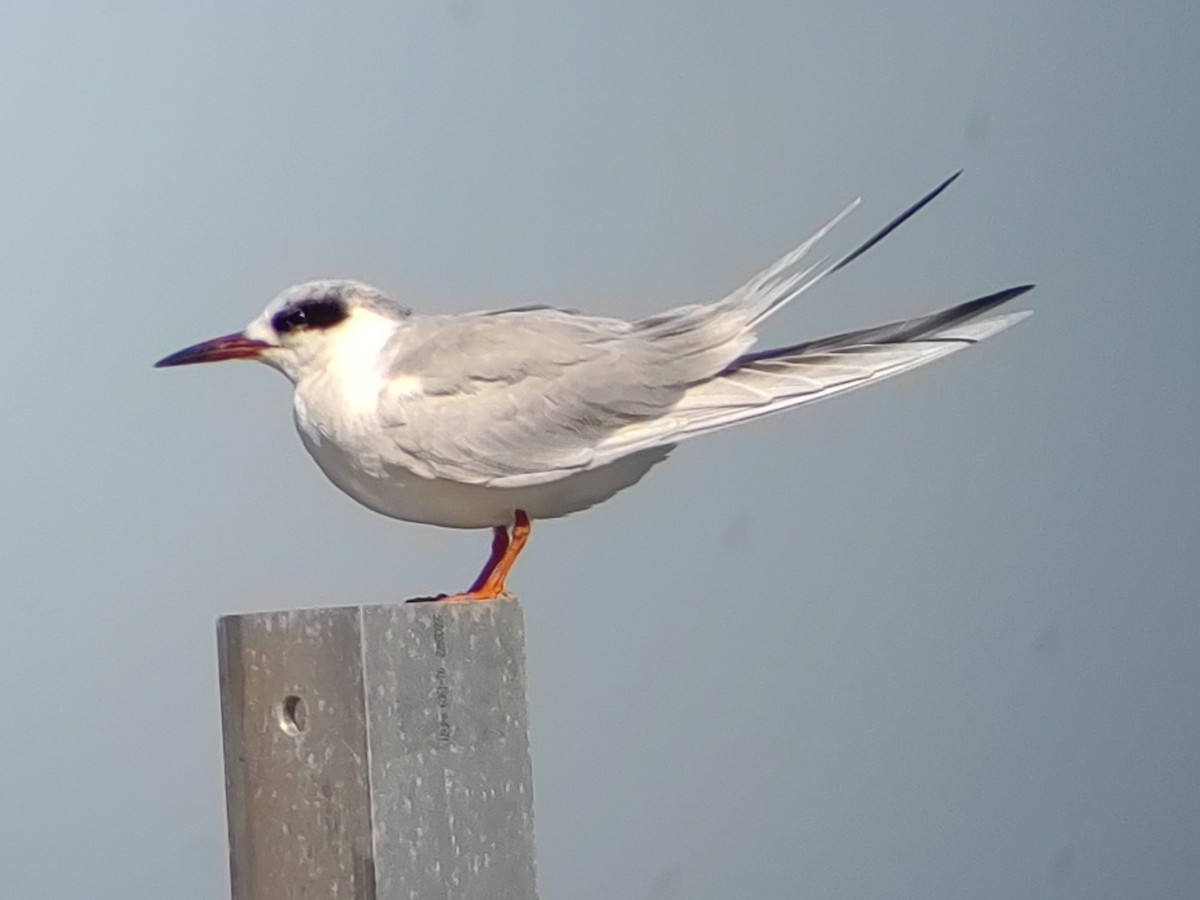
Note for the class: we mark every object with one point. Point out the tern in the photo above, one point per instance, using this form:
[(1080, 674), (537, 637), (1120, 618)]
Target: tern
[(495, 419)]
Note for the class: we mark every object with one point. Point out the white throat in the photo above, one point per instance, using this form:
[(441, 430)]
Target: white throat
[(343, 367)]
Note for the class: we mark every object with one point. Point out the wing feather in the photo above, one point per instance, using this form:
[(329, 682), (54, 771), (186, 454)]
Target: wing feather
[(526, 393), (764, 383)]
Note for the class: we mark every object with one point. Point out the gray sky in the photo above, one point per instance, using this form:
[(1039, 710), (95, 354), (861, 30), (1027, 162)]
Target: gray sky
[(938, 639)]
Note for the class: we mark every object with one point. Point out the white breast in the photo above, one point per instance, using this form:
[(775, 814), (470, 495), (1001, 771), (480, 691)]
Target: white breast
[(402, 493)]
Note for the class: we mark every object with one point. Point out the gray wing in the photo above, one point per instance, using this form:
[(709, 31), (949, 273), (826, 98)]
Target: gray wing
[(523, 396)]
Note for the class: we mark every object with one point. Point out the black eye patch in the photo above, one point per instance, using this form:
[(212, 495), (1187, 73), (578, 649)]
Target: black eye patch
[(309, 314)]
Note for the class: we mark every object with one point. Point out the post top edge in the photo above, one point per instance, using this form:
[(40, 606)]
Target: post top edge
[(416, 606)]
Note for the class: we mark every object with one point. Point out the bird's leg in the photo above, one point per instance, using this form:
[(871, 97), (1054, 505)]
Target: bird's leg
[(490, 583), (499, 546), (493, 586)]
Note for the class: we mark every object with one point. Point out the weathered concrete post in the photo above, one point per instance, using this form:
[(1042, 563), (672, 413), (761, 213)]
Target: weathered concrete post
[(378, 753)]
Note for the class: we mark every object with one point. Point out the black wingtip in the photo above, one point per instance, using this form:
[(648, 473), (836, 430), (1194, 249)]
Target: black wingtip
[(1014, 292), (978, 306), (960, 313), (896, 223)]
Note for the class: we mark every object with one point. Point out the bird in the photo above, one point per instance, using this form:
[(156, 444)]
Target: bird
[(495, 419)]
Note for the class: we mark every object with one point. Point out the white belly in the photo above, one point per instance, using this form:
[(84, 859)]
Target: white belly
[(402, 494)]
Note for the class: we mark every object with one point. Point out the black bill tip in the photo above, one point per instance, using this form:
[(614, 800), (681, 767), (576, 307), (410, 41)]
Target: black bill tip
[(229, 346)]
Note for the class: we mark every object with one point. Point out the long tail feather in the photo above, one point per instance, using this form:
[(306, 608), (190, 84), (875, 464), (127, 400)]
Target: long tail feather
[(770, 291), (894, 224)]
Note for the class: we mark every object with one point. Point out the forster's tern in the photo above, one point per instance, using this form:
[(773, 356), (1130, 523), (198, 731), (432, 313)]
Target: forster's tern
[(492, 419)]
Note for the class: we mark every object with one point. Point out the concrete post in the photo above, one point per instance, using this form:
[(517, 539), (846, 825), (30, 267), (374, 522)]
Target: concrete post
[(378, 753)]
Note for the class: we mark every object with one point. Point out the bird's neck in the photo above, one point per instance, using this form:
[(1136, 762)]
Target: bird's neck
[(348, 380)]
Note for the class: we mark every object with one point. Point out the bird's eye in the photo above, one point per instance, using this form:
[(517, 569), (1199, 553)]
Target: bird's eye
[(309, 314), (323, 313)]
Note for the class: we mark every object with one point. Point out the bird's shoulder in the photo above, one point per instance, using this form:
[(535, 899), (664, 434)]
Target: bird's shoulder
[(456, 354)]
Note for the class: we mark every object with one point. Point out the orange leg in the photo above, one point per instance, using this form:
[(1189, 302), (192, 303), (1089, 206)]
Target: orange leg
[(499, 548), (490, 583)]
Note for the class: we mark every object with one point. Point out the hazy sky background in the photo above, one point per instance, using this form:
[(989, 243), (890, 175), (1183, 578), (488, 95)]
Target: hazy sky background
[(937, 639)]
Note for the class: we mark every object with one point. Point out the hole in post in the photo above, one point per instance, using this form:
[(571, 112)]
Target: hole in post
[(293, 715)]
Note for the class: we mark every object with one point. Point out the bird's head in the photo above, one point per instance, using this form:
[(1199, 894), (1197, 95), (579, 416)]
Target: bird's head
[(304, 328)]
